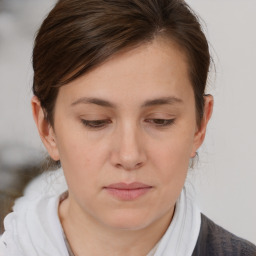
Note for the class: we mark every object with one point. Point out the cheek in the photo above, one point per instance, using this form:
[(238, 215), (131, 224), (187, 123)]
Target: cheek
[(75, 144), (170, 158), (81, 157), (171, 167), (174, 151)]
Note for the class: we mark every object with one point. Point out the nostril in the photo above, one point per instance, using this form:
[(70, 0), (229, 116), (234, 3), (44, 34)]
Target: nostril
[(138, 165), (129, 167), (118, 165)]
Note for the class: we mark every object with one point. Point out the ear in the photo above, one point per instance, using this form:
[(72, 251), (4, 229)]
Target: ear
[(201, 131), (44, 128)]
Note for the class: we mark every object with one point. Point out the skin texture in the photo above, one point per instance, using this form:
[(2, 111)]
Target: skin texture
[(132, 145)]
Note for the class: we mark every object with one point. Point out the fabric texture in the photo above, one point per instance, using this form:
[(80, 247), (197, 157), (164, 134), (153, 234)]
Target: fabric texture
[(33, 228), (214, 240), (181, 236)]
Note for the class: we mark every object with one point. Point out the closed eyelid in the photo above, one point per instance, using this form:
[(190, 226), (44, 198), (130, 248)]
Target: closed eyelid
[(161, 121), (101, 124), (95, 123)]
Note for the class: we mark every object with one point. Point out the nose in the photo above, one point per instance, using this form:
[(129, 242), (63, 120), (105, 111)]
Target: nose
[(128, 151)]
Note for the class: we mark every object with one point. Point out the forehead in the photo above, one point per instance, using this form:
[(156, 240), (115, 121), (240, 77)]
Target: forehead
[(158, 69)]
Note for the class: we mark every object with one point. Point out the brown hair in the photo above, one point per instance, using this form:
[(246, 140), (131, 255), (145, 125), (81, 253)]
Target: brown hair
[(78, 35)]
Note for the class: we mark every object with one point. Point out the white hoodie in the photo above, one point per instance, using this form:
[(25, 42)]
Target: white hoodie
[(34, 228)]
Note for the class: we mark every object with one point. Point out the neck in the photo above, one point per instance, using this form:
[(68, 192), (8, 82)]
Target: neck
[(85, 234)]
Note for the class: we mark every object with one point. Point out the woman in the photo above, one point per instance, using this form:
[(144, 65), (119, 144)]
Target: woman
[(120, 103)]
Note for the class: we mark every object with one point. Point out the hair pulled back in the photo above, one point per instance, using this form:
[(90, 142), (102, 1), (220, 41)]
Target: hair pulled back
[(78, 35)]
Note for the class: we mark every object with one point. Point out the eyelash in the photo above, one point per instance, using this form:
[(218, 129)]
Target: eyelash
[(97, 124), (161, 122)]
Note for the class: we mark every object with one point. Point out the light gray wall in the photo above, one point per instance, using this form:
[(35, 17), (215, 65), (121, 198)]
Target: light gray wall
[(227, 177), (226, 174), (19, 19)]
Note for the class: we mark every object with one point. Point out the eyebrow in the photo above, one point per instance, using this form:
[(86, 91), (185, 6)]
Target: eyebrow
[(161, 101), (96, 101), (154, 102)]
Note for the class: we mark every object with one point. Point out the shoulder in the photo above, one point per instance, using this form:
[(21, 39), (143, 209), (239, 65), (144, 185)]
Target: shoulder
[(33, 228), (215, 240)]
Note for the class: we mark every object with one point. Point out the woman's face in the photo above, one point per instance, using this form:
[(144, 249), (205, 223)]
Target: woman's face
[(125, 133)]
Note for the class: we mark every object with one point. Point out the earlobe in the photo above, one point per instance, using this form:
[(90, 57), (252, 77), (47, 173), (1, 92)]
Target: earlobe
[(200, 133), (44, 128)]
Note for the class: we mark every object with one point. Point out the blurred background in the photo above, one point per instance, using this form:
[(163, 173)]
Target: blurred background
[(225, 176)]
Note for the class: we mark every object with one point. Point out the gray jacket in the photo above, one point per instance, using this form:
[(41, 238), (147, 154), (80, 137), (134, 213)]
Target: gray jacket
[(214, 240)]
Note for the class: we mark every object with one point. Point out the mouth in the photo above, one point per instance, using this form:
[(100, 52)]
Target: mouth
[(128, 192)]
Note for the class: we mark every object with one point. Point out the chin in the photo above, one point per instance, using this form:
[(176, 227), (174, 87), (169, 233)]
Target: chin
[(129, 220)]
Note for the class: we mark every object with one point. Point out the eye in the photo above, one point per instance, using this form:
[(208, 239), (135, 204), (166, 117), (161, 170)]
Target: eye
[(160, 122), (94, 124)]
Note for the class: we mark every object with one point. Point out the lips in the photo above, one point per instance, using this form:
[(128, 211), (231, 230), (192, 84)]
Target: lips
[(128, 192)]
